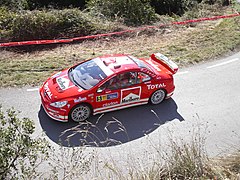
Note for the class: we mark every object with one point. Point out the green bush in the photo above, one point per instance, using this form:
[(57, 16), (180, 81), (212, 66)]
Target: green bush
[(14, 4), (51, 24), (171, 7), (220, 2), (179, 7), (33, 25), (19, 151), (6, 18), (132, 12), (33, 4), (18, 24), (236, 5)]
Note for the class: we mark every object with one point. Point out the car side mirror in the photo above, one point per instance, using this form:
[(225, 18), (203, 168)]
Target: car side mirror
[(99, 90), (103, 90)]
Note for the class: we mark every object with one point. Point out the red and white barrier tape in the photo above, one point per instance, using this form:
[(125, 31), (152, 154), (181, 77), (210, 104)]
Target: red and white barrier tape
[(35, 42)]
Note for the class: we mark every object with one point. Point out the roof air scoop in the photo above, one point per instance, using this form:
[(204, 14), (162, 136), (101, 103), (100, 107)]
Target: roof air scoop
[(109, 61), (117, 66)]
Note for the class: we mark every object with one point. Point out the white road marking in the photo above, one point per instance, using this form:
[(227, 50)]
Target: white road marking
[(223, 63), (34, 89), (184, 72)]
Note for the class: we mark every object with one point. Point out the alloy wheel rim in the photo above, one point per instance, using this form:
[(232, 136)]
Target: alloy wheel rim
[(80, 113), (158, 97)]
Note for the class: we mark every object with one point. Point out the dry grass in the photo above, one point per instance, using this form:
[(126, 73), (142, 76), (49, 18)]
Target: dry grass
[(227, 167), (178, 158), (184, 45)]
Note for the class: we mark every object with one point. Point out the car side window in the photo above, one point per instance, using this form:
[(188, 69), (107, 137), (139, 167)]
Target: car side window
[(143, 77), (128, 79), (120, 81), (111, 84)]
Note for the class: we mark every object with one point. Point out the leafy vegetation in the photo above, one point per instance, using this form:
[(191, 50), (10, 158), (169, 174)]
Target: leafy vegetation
[(29, 25), (131, 12), (34, 19), (23, 155), (14, 4), (19, 151), (161, 7)]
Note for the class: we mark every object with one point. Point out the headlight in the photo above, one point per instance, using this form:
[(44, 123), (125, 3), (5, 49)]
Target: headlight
[(59, 104)]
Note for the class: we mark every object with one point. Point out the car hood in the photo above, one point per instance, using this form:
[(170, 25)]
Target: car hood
[(59, 87)]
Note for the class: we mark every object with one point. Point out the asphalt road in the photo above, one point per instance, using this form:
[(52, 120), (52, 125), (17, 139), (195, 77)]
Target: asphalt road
[(206, 101)]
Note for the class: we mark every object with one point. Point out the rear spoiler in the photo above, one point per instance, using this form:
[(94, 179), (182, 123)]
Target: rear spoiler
[(164, 61)]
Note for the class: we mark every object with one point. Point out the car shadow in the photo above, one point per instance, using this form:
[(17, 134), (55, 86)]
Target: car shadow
[(111, 128)]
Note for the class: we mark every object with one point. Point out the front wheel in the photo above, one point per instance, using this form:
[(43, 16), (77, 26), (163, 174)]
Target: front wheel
[(158, 96), (80, 113)]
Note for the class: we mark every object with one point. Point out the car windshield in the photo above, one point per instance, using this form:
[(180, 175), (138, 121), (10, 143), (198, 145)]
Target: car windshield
[(88, 74)]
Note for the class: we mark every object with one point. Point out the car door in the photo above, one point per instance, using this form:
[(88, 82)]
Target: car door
[(135, 92), (107, 96), (131, 90), (120, 91)]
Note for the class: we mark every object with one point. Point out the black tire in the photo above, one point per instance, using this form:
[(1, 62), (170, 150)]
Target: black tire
[(158, 96), (80, 113)]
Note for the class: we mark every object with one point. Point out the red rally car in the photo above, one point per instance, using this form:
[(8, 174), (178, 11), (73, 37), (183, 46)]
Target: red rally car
[(107, 83)]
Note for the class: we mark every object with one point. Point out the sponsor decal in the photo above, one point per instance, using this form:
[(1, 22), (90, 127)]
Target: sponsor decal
[(110, 104), (130, 95), (80, 99), (145, 70), (63, 83), (47, 91), (107, 97), (156, 86)]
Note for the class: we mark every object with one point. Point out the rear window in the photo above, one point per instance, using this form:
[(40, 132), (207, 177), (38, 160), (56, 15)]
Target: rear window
[(140, 63)]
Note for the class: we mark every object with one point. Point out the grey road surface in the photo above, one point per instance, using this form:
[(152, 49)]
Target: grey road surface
[(206, 101)]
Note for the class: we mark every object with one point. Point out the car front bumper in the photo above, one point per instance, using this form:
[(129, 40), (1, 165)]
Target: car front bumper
[(52, 112)]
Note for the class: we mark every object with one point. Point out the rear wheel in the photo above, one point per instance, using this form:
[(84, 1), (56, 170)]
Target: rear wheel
[(80, 113), (158, 96)]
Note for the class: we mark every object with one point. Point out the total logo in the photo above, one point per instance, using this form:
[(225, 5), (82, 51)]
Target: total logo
[(156, 86), (47, 90)]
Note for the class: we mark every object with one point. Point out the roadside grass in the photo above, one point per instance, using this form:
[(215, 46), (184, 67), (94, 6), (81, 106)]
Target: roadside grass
[(175, 157), (178, 158), (184, 45)]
